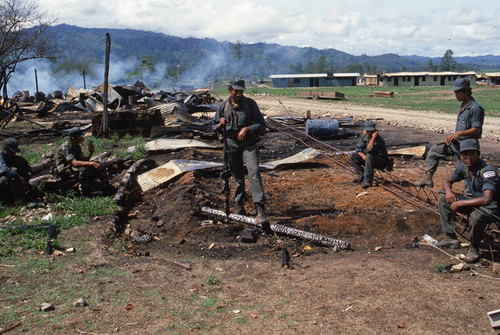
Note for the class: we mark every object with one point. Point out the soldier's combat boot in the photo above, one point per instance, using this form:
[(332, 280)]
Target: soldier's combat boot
[(450, 241), (240, 208), (472, 254), (426, 181), (262, 218)]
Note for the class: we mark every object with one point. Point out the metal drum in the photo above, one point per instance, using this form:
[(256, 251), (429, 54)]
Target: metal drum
[(322, 127)]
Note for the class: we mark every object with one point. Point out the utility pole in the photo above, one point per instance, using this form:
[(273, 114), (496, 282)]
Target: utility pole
[(84, 81), (105, 89), (178, 76)]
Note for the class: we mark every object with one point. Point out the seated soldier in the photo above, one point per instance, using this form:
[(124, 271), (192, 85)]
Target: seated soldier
[(14, 172), (481, 182), (71, 163), (371, 153)]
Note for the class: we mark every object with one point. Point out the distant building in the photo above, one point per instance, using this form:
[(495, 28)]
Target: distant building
[(368, 80), (492, 78), (406, 79), (314, 79)]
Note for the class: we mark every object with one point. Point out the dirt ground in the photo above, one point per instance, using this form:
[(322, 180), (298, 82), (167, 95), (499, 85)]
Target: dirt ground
[(378, 287)]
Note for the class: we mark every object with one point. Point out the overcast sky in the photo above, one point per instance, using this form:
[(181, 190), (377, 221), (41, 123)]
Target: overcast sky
[(424, 27)]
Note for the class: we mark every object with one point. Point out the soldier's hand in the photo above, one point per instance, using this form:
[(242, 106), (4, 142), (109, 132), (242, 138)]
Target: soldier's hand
[(450, 197), (454, 206), (242, 135), (222, 122)]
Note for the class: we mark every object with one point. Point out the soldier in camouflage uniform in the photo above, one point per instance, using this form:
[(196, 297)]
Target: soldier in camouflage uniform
[(71, 163)]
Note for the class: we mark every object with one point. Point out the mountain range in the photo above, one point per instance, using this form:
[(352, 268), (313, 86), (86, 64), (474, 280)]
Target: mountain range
[(137, 54)]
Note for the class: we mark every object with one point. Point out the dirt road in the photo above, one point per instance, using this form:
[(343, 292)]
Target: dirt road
[(426, 120)]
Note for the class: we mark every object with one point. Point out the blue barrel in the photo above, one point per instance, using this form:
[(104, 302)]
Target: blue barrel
[(322, 127)]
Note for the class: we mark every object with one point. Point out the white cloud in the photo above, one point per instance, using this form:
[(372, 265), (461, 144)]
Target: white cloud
[(425, 27)]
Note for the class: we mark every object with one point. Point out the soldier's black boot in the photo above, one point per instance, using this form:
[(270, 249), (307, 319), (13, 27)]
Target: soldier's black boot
[(262, 218), (240, 208)]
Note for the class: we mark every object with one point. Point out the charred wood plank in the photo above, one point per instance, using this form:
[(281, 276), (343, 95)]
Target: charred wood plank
[(280, 229)]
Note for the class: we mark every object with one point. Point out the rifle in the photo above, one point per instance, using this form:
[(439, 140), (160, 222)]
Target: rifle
[(226, 189)]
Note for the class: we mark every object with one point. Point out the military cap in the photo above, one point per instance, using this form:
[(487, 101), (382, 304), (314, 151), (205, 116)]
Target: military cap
[(76, 132), (469, 144), (370, 126), (238, 85), (461, 84), (12, 144)]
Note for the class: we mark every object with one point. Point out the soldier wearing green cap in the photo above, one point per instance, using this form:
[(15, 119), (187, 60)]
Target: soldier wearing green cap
[(371, 153), (481, 189), (469, 125), (14, 172), (71, 163)]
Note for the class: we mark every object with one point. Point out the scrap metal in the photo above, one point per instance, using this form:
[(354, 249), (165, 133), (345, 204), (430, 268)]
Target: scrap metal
[(401, 187)]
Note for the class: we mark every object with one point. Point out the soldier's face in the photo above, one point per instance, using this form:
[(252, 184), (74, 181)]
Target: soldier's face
[(470, 157), (460, 95), (236, 95)]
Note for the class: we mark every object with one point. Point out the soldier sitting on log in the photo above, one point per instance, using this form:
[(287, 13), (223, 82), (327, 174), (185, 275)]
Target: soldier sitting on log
[(71, 163), (14, 173)]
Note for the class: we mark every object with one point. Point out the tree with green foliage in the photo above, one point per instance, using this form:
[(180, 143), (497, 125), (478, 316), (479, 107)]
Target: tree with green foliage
[(146, 64), (447, 61), (310, 67), (431, 67), (320, 66), (22, 36), (237, 52)]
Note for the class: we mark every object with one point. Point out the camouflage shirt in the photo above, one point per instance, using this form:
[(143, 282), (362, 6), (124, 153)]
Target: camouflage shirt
[(66, 153)]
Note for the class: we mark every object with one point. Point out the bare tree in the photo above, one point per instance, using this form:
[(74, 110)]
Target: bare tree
[(23, 36)]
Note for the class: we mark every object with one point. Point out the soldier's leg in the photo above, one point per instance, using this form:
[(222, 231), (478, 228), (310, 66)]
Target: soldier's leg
[(85, 178), (436, 153), (357, 163), (235, 160), (446, 216), (251, 159), (478, 222), (11, 189)]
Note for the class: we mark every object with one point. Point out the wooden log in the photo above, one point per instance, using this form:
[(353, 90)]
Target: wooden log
[(324, 240), (132, 171)]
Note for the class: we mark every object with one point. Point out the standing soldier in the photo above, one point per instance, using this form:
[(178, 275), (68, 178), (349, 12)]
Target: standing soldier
[(14, 172), (72, 163), (243, 122), (469, 125)]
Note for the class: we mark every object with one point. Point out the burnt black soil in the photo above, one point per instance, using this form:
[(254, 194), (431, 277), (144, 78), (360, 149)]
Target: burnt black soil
[(316, 197)]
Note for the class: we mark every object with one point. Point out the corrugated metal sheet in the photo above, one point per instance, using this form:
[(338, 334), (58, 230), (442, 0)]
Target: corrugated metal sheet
[(165, 144), (302, 156), (168, 171)]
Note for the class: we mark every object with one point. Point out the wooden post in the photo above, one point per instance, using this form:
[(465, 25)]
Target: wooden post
[(84, 82), (105, 129), (36, 83)]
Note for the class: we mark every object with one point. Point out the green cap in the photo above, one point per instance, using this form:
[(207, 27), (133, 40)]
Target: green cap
[(76, 132), (469, 144), (12, 144)]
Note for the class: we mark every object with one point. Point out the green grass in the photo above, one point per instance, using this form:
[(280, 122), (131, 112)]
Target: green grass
[(212, 280), (68, 212)]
